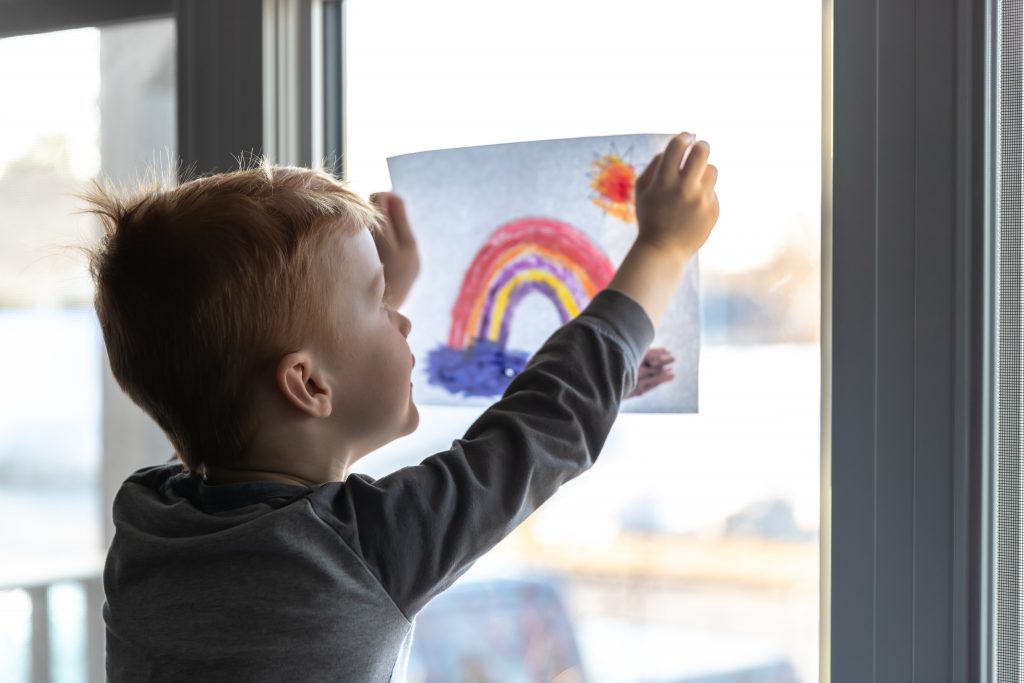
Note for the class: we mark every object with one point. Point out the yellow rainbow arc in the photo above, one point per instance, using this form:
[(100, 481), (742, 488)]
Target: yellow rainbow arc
[(565, 297), (480, 302)]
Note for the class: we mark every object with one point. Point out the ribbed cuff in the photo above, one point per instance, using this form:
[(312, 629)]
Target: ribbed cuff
[(623, 317)]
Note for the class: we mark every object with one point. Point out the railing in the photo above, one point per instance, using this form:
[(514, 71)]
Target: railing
[(36, 578)]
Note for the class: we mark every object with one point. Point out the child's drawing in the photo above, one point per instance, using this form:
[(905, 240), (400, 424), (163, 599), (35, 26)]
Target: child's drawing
[(614, 181), (515, 241), (525, 256)]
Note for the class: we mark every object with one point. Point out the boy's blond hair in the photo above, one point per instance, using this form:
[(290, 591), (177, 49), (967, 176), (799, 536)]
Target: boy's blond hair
[(200, 288)]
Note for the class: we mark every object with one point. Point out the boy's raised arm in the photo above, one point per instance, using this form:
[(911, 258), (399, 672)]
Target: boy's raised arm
[(676, 208), (421, 527)]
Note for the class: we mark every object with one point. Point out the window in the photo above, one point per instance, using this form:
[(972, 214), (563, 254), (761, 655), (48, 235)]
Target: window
[(690, 550), (88, 102)]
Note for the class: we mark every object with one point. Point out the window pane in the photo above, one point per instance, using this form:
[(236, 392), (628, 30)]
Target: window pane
[(85, 103), (690, 550)]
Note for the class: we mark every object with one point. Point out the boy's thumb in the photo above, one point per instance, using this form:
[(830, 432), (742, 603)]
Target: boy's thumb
[(652, 168)]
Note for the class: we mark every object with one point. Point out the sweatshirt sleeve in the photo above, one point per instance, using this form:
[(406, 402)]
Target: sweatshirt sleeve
[(421, 527)]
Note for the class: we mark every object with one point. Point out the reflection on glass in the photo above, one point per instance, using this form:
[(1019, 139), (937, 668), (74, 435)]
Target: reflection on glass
[(689, 552)]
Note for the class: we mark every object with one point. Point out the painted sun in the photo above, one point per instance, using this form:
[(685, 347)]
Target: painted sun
[(614, 181)]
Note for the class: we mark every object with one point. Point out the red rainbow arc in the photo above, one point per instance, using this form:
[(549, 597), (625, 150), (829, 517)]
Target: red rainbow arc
[(523, 256)]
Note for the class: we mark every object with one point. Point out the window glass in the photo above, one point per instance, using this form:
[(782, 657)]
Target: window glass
[(690, 551), (79, 104)]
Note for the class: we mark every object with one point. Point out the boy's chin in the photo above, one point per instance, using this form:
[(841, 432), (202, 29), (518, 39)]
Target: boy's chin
[(412, 419), (406, 424)]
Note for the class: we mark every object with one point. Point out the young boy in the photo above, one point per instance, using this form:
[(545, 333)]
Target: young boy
[(246, 313)]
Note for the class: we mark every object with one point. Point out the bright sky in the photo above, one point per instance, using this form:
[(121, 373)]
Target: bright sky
[(51, 86), (744, 74)]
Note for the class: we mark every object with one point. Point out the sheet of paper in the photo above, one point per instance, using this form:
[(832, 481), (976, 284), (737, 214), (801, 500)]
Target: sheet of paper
[(515, 239)]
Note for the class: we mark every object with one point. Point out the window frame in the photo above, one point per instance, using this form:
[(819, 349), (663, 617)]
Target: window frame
[(220, 110), (23, 17), (910, 349)]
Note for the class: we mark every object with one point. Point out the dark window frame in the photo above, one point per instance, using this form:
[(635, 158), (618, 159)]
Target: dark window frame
[(910, 342)]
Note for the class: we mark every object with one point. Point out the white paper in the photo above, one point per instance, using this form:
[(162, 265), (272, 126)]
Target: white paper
[(515, 239)]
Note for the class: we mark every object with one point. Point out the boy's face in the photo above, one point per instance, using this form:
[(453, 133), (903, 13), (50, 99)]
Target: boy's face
[(367, 355)]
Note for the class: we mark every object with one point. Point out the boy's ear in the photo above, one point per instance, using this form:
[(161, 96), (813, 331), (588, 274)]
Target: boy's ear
[(302, 385)]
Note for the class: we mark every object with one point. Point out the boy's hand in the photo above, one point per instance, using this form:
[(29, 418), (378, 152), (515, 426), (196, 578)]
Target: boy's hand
[(654, 370), (676, 204), (396, 247), (676, 208)]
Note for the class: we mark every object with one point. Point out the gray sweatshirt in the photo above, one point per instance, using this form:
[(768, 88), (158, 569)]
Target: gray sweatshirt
[(264, 581)]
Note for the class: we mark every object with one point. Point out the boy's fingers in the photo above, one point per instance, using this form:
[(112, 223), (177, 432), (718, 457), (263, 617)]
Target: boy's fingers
[(653, 366), (658, 356), (710, 176), (663, 355), (649, 371), (399, 220), (380, 200), (652, 168), (645, 385), (384, 240), (654, 352), (696, 162), (673, 155), (646, 371)]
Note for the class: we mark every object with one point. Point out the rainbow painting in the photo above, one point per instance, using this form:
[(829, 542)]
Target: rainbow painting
[(522, 257), (515, 240)]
